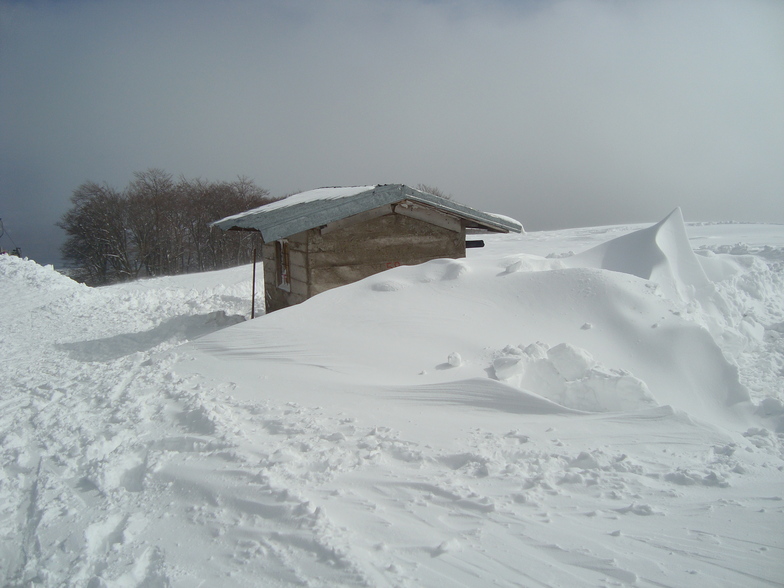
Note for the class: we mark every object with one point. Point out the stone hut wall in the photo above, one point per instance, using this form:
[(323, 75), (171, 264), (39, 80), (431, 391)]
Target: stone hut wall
[(320, 260)]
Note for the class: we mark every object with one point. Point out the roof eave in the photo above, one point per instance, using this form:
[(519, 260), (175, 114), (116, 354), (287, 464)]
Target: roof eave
[(480, 219)]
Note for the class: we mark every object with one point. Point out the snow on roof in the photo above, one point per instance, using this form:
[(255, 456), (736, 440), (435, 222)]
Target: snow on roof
[(322, 206), (508, 219), (303, 198)]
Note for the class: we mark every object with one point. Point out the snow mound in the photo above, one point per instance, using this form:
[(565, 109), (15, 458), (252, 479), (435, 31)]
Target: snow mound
[(660, 253), (28, 274), (444, 269), (570, 377)]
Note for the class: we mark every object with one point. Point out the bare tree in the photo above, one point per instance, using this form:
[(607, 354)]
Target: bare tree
[(97, 242), (211, 202), (156, 227), (151, 201), (434, 191)]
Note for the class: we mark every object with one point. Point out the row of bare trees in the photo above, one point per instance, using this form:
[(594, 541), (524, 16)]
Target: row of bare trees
[(156, 226)]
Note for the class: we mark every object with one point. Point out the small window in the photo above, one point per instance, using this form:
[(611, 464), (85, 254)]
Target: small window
[(283, 264)]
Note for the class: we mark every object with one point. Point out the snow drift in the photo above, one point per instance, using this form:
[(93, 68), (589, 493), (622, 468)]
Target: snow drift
[(580, 336), (660, 253)]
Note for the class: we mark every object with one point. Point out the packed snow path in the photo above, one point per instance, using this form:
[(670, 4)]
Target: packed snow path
[(522, 417)]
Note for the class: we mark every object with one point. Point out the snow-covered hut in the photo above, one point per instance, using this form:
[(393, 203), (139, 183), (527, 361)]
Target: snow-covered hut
[(329, 237)]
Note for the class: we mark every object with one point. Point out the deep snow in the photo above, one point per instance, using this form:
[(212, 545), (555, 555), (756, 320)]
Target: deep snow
[(522, 417)]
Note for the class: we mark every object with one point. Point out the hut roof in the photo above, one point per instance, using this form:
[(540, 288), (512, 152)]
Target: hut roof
[(322, 206)]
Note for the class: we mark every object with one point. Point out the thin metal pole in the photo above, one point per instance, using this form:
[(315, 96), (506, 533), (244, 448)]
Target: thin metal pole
[(253, 288)]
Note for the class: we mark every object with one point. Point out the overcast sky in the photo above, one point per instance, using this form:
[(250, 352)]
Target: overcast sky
[(560, 114)]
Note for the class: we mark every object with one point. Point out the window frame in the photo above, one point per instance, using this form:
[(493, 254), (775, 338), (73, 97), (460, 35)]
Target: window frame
[(282, 265)]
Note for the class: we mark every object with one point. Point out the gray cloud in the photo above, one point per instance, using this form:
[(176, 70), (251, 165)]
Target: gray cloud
[(559, 114)]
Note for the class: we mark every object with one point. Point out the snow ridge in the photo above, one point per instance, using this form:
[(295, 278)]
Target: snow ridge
[(660, 253)]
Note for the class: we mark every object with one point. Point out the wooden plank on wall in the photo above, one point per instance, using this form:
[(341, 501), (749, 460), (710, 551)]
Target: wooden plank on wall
[(380, 241), (357, 218), (429, 215), (381, 252), (380, 232)]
